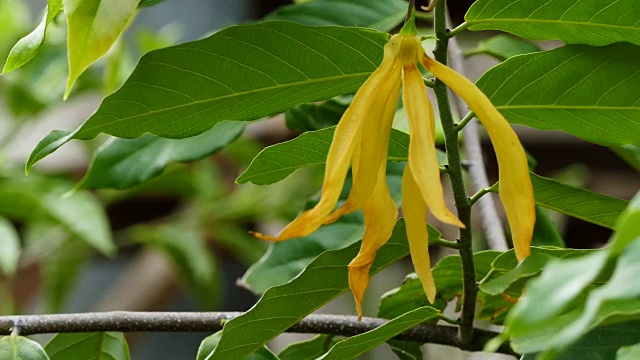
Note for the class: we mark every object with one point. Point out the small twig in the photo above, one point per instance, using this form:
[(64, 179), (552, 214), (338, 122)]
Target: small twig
[(477, 196), (457, 30), (129, 321), (465, 121), (445, 243)]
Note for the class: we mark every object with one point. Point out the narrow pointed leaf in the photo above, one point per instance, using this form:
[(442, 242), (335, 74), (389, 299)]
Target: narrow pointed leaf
[(27, 47), (209, 344), (9, 248), (307, 350), (323, 280), (276, 162), (576, 202), (588, 92), (21, 348), (357, 345), (123, 163), (381, 15), (90, 346), (93, 26), (503, 47), (184, 90), (571, 21), (48, 145)]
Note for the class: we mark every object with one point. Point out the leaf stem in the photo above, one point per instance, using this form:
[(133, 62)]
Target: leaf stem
[(445, 243), (463, 205), (457, 30), (479, 194), (465, 121)]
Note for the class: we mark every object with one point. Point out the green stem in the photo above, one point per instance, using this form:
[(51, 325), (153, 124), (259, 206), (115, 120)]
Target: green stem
[(463, 205), (479, 194), (465, 121), (457, 30), (445, 243)]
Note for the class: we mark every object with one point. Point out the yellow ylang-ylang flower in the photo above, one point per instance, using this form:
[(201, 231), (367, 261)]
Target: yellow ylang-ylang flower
[(361, 142)]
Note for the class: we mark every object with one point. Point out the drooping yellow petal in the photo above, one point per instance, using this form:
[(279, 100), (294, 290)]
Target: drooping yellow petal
[(346, 137), (422, 152), (380, 215), (516, 192), (414, 211), (375, 144)]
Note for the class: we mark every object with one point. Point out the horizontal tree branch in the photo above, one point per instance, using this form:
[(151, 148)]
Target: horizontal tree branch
[(128, 321)]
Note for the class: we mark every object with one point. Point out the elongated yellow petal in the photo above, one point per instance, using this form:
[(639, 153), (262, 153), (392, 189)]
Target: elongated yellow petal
[(380, 215), (422, 151), (375, 144), (516, 191), (414, 210), (345, 139)]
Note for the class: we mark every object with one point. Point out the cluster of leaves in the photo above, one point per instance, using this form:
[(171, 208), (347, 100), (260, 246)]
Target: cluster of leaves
[(184, 102)]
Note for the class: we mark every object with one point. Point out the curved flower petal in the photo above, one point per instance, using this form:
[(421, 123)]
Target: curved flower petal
[(422, 151), (414, 211), (516, 191), (345, 139), (380, 215), (375, 143)]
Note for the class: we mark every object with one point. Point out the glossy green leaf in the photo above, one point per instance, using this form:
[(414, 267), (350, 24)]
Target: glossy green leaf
[(576, 202), (572, 21), (47, 145), (628, 352), (448, 272), (588, 92), (81, 213), (276, 162), (323, 280), (381, 15), (190, 255), (629, 153), (309, 349), (89, 346), (317, 116), (357, 345), (93, 26), (123, 163), (27, 47), (21, 348), (627, 226), (184, 90), (503, 47), (9, 248), (208, 345)]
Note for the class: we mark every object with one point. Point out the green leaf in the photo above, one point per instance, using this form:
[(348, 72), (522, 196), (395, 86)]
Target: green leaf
[(629, 153), (628, 352), (323, 280), (506, 270), (576, 202), (572, 21), (93, 26), (359, 344), (208, 345), (406, 350), (184, 90), (545, 232), (503, 47), (276, 162), (189, 253), (81, 214), (627, 226), (9, 248), (381, 15), (123, 163), (89, 346), (309, 349), (314, 116), (27, 47), (448, 272), (21, 348), (46, 146), (589, 92)]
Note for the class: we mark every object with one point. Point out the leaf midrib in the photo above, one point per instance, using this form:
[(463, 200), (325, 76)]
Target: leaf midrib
[(567, 22), (198, 102)]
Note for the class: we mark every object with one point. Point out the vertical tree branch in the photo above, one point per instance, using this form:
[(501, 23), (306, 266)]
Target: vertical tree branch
[(491, 223), (463, 205)]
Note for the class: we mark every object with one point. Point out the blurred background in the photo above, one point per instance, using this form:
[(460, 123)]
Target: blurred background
[(182, 237)]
